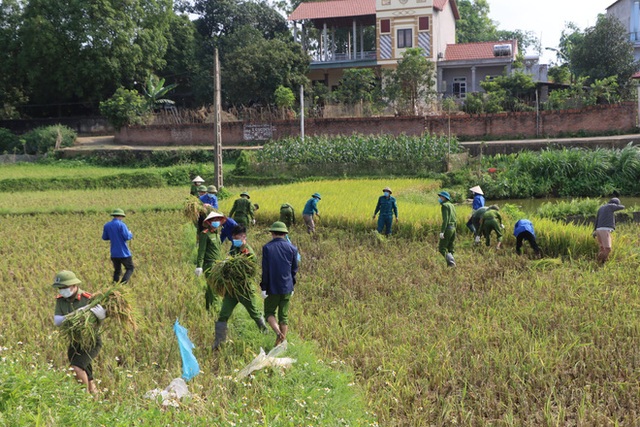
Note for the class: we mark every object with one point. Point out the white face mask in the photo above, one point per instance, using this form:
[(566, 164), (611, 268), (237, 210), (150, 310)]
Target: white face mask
[(65, 292)]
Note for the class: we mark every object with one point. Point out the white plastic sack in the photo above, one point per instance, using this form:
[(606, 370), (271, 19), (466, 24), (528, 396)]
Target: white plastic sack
[(176, 390), (263, 360)]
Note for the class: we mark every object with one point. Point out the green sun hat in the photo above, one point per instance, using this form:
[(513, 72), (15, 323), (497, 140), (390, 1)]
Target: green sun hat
[(211, 189), (316, 195), (244, 193), (202, 189), (118, 212), (445, 194), (64, 279), (279, 227)]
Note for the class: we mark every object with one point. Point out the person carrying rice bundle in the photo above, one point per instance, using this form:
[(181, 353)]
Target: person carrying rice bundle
[(210, 198), (242, 266), (209, 250), (71, 299)]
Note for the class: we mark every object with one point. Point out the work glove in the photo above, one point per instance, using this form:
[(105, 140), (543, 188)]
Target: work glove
[(293, 292), (99, 312), (198, 272), (263, 294), (501, 225), (441, 236), (477, 239)]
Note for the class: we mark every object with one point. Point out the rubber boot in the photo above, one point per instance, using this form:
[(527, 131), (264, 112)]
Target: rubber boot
[(221, 334), (450, 261), (261, 325)]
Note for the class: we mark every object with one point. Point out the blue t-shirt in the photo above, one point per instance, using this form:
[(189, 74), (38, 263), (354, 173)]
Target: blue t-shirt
[(118, 234), (311, 207), (227, 228), (210, 199), (523, 225), (478, 202)]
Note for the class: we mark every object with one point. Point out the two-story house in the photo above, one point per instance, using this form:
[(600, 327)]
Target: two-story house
[(628, 13)]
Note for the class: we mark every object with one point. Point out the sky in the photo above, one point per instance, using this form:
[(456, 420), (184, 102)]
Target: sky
[(546, 18)]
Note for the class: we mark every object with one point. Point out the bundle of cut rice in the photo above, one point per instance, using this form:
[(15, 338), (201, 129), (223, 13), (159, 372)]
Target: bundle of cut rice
[(234, 275)]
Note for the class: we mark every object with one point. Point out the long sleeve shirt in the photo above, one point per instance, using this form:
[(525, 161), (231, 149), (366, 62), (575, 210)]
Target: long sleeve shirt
[(387, 206), (491, 215), (210, 199), (523, 225), (279, 267), (209, 249), (311, 207), (227, 229), (448, 216), (606, 217), (118, 234), (478, 202), (242, 208)]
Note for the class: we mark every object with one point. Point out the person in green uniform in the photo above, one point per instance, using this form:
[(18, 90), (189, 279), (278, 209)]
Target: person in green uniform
[(71, 298), (245, 293), (195, 186), (287, 215), (475, 220), (448, 230), (387, 207), (491, 221), (209, 250), (242, 210)]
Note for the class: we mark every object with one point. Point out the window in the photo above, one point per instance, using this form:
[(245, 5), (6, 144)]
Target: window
[(460, 87), (385, 26), (423, 23), (405, 38)]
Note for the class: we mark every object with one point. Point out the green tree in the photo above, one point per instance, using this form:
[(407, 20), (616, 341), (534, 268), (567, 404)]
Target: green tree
[(125, 107), (154, 90), (284, 98), (474, 24), (508, 92), (253, 71), (357, 85), (412, 83), (11, 83), (604, 51), (83, 50)]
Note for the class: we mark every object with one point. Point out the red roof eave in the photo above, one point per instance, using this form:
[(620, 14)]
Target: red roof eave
[(440, 4), (333, 9)]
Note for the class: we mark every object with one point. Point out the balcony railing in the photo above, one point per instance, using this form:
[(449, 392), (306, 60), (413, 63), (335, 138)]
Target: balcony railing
[(343, 57)]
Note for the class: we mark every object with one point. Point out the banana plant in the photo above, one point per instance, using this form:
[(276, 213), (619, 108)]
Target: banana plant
[(154, 91)]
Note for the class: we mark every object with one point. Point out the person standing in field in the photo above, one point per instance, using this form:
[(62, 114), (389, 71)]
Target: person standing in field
[(244, 293), (210, 197), (242, 210), (287, 215), (448, 229), (492, 221), (71, 298), (195, 187), (116, 232), (387, 207), (478, 202), (605, 225), (311, 209), (279, 268), (209, 251), (523, 230)]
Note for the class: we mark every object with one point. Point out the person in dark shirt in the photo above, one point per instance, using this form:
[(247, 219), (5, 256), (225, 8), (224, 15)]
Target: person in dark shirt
[(279, 268), (118, 234)]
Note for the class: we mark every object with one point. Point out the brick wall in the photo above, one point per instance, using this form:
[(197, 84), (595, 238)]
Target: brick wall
[(598, 119)]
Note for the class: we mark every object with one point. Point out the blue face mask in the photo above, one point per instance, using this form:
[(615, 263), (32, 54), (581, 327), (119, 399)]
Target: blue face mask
[(386, 194), (440, 200), (215, 224), (237, 243)]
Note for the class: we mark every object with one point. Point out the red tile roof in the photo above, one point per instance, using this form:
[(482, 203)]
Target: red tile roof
[(481, 50), (439, 5), (333, 9)]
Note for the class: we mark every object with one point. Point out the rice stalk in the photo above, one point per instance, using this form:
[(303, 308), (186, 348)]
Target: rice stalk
[(233, 275)]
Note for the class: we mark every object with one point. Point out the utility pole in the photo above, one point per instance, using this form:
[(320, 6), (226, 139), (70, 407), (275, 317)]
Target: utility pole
[(217, 122), (302, 112)]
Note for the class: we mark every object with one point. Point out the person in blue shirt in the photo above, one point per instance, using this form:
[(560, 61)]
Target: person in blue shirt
[(387, 207), (523, 230), (311, 209), (227, 230), (210, 198), (116, 232), (478, 202), (279, 268)]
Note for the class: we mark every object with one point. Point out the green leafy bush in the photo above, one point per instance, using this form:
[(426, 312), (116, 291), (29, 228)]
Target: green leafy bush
[(561, 210), (43, 139), (244, 162), (8, 141), (125, 107)]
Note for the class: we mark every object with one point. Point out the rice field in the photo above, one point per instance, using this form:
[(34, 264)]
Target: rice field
[(384, 333)]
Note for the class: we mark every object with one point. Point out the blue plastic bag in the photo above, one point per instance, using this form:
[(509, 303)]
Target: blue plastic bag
[(190, 367)]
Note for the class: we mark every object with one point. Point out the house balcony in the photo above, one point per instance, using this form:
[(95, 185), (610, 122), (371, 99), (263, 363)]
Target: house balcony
[(343, 60)]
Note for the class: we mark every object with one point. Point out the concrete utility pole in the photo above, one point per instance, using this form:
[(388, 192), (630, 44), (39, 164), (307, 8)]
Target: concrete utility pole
[(302, 112), (217, 122)]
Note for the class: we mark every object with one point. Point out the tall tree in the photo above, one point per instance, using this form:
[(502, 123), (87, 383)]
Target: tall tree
[(80, 50), (412, 83), (604, 51), (11, 82), (474, 24)]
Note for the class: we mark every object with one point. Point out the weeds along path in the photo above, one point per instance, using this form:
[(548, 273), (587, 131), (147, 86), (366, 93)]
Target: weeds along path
[(499, 340)]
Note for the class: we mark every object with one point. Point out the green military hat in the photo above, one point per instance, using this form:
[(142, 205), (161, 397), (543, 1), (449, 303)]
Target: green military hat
[(64, 279), (445, 194), (202, 189), (118, 212), (317, 195), (279, 227), (211, 189), (244, 193)]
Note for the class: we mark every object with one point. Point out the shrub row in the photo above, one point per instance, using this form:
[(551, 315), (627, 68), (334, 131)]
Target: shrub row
[(36, 141), (151, 158)]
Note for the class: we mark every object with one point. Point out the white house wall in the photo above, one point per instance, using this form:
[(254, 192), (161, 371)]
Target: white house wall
[(444, 33)]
